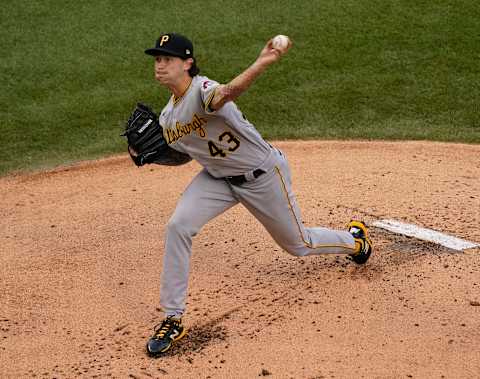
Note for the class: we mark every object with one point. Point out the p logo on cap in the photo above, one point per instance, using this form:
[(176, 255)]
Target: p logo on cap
[(172, 44), (164, 39)]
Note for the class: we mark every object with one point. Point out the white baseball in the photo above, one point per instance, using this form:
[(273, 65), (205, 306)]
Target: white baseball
[(280, 42)]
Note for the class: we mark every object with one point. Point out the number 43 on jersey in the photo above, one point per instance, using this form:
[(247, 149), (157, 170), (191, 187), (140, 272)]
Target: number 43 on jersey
[(227, 137)]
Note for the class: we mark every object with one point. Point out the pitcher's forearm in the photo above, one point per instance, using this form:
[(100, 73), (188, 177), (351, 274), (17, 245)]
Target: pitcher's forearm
[(231, 91)]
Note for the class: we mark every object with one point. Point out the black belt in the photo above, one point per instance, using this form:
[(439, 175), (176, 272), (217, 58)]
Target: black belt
[(240, 179)]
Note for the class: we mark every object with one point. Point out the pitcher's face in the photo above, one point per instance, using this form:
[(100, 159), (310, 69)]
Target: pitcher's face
[(169, 70)]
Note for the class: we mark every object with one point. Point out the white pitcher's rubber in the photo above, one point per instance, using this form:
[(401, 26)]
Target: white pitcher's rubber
[(424, 234)]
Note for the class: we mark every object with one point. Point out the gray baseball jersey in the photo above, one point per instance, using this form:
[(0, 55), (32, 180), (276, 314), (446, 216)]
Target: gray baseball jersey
[(226, 144), (222, 141)]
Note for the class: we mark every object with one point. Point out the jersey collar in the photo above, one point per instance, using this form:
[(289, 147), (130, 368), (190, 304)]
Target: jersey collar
[(176, 100)]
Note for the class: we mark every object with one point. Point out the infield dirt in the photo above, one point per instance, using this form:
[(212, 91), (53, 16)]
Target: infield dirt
[(81, 257)]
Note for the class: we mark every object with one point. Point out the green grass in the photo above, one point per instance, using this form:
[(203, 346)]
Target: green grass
[(72, 71)]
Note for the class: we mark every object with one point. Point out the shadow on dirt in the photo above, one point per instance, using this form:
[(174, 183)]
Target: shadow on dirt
[(200, 336), (412, 246)]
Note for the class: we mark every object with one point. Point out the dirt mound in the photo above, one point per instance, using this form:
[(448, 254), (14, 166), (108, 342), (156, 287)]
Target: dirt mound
[(82, 254)]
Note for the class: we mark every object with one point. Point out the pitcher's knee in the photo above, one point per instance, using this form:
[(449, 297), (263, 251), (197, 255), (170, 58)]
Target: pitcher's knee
[(296, 251), (180, 227)]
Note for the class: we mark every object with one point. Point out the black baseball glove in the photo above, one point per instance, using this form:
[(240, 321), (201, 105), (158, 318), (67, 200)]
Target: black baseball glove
[(146, 143)]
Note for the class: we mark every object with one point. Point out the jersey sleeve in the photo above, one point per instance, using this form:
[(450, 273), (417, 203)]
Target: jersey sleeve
[(207, 91)]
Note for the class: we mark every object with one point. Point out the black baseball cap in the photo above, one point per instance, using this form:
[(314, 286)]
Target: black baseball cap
[(172, 44)]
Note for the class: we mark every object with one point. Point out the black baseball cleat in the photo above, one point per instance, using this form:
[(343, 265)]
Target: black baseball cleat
[(359, 231), (169, 331)]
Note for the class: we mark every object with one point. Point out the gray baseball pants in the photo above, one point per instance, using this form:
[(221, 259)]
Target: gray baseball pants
[(269, 198)]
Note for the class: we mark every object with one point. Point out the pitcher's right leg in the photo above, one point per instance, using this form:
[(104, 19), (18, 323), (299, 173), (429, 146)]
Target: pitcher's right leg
[(271, 200)]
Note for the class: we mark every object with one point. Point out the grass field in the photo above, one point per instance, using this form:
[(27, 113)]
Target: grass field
[(72, 71)]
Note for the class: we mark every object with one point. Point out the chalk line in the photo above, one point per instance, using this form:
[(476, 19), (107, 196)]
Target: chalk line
[(425, 234)]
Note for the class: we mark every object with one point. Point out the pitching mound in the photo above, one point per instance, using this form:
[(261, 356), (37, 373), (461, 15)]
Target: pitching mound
[(82, 256)]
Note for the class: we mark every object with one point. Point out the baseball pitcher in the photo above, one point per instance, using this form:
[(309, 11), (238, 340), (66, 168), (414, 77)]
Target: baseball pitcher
[(202, 122)]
